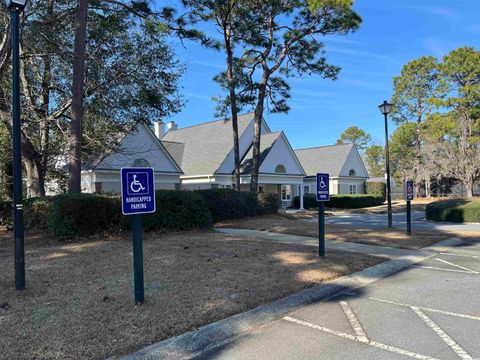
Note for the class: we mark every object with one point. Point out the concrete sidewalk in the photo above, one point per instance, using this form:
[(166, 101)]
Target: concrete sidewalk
[(303, 326), (333, 245)]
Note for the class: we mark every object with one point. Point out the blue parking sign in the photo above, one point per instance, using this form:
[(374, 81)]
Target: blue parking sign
[(323, 187), (138, 191), (409, 188)]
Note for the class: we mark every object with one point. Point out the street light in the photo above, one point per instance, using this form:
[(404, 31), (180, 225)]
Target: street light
[(16, 7), (385, 109)]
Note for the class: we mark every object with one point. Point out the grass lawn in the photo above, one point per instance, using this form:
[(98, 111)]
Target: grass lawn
[(79, 297), (293, 224)]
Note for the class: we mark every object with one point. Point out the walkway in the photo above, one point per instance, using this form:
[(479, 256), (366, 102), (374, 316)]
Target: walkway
[(305, 240)]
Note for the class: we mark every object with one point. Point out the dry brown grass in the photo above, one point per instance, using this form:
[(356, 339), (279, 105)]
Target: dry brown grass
[(289, 224), (398, 206), (79, 298)]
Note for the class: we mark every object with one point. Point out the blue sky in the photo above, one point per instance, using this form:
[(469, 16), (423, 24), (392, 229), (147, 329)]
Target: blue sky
[(393, 32)]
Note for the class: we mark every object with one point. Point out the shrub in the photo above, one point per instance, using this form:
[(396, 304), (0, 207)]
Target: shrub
[(6, 213), (229, 204), (353, 201), (73, 215), (177, 210), (268, 202), (454, 210), (377, 188), (36, 211), (309, 201)]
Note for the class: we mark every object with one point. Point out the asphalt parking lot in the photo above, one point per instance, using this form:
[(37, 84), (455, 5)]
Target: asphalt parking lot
[(430, 310)]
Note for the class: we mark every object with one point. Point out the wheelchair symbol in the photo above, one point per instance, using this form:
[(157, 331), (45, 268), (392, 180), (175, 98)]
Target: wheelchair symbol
[(135, 185), (322, 183)]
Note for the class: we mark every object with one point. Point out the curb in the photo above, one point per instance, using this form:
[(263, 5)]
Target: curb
[(207, 337)]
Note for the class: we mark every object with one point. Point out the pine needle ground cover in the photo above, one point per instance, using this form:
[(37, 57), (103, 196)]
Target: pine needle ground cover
[(79, 298)]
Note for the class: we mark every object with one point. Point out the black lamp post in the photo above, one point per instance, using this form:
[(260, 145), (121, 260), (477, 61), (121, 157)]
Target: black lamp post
[(16, 7), (385, 109)]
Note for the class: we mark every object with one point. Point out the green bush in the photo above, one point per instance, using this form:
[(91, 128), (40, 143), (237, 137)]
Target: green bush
[(35, 211), (454, 210), (177, 210), (377, 188), (6, 214), (73, 215), (341, 201), (268, 202), (229, 204)]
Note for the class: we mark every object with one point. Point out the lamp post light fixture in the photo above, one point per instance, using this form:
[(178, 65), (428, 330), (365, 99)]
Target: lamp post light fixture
[(385, 109), (16, 7)]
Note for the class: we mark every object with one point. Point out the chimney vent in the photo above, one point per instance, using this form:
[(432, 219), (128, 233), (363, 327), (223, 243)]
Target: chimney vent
[(159, 129), (171, 126)]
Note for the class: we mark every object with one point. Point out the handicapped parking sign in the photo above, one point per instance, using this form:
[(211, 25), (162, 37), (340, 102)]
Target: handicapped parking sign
[(323, 188), (138, 191), (409, 188)]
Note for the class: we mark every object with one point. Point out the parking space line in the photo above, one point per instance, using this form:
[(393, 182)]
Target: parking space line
[(457, 266), (461, 255), (466, 316), (442, 269), (442, 334), (354, 338), (357, 327)]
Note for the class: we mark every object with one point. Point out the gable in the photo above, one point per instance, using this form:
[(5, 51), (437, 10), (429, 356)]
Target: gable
[(139, 147), (281, 155), (245, 142), (354, 162)]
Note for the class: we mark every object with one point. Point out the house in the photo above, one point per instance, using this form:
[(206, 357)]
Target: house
[(139, 148), (343, 163), (205, 154)]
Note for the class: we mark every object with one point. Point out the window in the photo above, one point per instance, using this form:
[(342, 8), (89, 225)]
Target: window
[(351, 172), (353, 189), (286, 192), (280, 169), (141, 163), (306, 189)]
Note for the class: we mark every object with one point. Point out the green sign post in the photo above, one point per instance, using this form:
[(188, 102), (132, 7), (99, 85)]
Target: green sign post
[(409, 197), (323, 194), (138, 197)]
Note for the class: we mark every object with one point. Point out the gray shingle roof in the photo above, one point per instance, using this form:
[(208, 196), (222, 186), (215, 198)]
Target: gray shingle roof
[(205, 145), (326, 159), (175, 149), (266, 143)]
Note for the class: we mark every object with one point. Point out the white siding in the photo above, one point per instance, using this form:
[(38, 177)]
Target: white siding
[(245, 141), (281, 153), (355, 162), (138, 144)]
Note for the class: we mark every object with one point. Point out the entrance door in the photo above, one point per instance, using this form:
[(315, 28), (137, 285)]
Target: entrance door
[(286, 195)]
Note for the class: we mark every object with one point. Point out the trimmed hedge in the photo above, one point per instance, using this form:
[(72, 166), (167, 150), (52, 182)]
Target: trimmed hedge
[(227, 204), (177, 210), (454, 210), (377, 188), (74, 215), (347, 201)]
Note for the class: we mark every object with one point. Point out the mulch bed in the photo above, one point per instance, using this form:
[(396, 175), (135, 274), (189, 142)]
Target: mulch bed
[(79, 298)]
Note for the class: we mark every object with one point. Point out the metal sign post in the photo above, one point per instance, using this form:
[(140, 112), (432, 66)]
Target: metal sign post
[(138, 197), (323, 194), (409, 197)]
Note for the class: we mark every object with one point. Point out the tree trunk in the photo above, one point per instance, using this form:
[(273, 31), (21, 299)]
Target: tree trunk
[(35, 178), (428, 185), (233, 105), (469, 187), (257, 131), (75, 139)]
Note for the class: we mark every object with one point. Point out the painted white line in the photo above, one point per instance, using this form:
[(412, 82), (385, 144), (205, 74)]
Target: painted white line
[(457, 266), (462, 354), (354, 338), (466, 316), (442, 269), (461, 255), (357, 327)]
